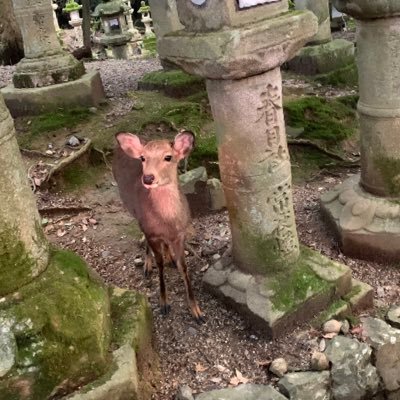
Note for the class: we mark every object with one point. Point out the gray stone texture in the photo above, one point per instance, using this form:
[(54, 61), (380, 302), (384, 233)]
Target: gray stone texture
[(243, 392), (388, 365), (165, 17), (323, 58), (393, 316), (85, 92), (8, 348), (353, 375), (19, 218), (378, 332), (306, 386)]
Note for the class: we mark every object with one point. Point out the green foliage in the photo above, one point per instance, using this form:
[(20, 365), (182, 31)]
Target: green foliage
[(71, 5), (347, 76), (171, 78), (328, 120)]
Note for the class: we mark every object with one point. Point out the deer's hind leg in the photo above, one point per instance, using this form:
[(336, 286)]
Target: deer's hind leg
[(148, 261)]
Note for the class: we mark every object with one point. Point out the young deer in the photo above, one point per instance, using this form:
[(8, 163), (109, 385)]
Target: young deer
[(147, 178)]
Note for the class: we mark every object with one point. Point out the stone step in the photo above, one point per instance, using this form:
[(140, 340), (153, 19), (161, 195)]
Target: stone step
[(361, 296)]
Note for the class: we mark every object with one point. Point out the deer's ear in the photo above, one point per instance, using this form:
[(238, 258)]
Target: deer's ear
[(183, 143), (130, 144)]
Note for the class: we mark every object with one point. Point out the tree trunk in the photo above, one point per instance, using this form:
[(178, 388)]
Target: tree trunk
[(11, 47)]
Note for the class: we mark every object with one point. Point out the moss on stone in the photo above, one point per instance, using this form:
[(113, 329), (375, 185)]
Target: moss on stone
[(62, 329), (295, 284), (327, 120), (175, 78), (343, 77), (150, 46), (333, 311), (389, 169), (17, 264)]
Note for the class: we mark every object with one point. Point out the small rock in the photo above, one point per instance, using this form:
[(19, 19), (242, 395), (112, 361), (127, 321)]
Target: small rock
[(345, 328), (319, 361), (105, 254), (393, 316), (378, 332), (73, 141), (93, 110), (216, 257), (388, 365), (192, 331), (279, 367), (138, 262), (184, 393), (332, 326)]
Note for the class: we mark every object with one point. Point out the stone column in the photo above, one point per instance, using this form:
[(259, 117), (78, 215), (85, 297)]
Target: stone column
[(23, 248), (366, 209), (45, 62), (47, 78), (239, 48), (322, 54), (55, 19)]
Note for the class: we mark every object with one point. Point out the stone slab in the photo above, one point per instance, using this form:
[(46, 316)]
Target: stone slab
[(243, 392), (86, 91), (323, 58), (239, 53), (361, 296), (366, 225), (276, 303)]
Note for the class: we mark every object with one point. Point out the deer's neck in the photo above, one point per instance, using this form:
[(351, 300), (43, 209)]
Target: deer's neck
[(166, 201)]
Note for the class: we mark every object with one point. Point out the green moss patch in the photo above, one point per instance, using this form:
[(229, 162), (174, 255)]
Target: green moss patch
[(343, 77), (150, 46), (61, 325), (295, 285), (328, 120), (389, 169)]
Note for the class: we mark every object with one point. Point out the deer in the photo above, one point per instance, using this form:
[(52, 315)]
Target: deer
[(147, 179)]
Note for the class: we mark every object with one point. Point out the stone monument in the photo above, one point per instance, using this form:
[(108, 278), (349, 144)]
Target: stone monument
[(116, 36), (322, 54), (365, 210), (239, 46), (72, 8), (48, 77)]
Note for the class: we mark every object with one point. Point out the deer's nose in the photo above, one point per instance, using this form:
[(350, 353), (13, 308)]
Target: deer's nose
[(148, 179)]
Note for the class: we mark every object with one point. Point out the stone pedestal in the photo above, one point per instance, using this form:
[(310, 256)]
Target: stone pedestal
[(322, 54), (45, 63), (365, 209), (268, 277)]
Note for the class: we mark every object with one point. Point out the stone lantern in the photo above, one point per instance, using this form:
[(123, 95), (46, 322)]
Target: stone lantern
[(239, 46), (115, 35), (72, 8), (146, 19), (365, 209)]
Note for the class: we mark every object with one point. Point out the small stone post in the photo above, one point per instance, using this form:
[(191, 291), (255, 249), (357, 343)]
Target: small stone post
[(239, 46), (146, 19), (365, 209), (322, 54), (48, 77), (55, 19)]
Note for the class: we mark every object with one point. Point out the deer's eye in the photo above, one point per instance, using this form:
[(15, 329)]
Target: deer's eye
[(142, 158), (168, 158)]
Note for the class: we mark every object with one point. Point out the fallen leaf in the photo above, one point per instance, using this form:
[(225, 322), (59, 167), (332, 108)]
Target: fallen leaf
[(92, 221), (221, 368), (200, 368), (239, 378), (357, 330), (37, 181), (61, 233)]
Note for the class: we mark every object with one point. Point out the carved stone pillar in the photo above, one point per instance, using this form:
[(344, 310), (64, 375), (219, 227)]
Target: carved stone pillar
[(322, 54), (48, 77), (365, 210), (239, 46)]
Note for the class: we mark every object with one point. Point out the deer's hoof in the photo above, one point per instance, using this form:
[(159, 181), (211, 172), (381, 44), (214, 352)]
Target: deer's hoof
[(201, 319), (147, 273), (165, 309)]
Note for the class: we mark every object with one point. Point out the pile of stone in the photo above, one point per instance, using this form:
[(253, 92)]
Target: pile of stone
[(358, 364)]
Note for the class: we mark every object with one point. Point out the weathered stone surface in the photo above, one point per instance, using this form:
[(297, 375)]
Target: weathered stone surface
[(394, 396), (353, 375), (306, 385), (279, 367), (165, 17), (243, 392), (323, 58), (388, 365), (361, 296), (393, 316), (184, 393), (217, 196), (332, 326), (8, 347), (364, 10), (189, 179), (366, 224), (86, 91), (378, 332), (23, 247), (219, 55), (215, 15)]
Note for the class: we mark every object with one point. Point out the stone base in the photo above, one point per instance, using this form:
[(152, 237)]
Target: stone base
[(367, 226), (132, 357), (86, 91), (323, 58), (286, 298)]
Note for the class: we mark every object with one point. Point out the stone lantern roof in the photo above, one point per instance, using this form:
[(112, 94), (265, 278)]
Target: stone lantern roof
[(109, 8)]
